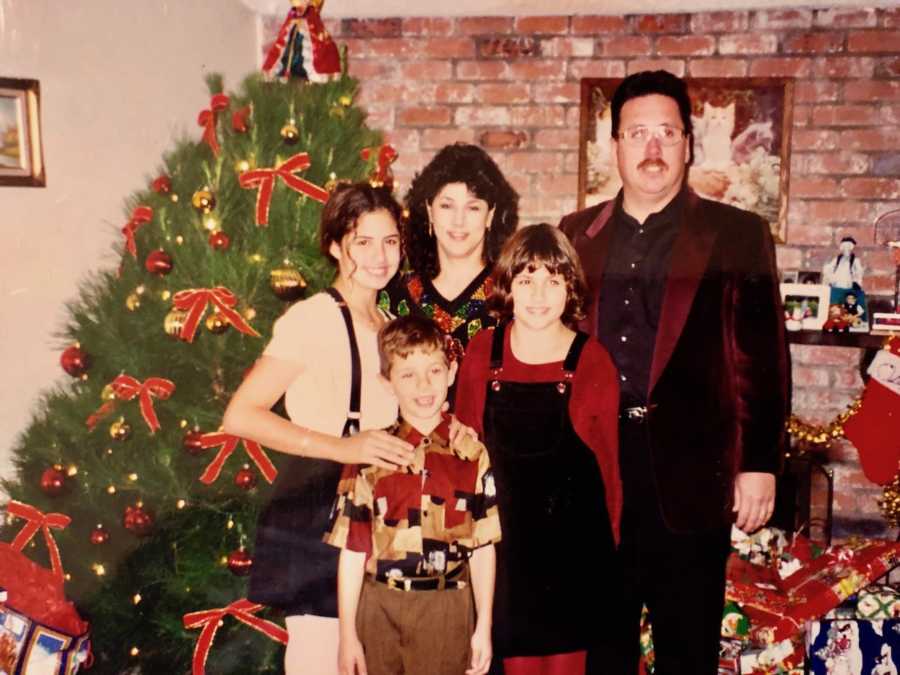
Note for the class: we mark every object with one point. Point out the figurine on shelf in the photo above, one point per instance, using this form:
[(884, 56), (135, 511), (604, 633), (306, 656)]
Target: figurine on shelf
[(844, 270), (837, 321), (303, 48)]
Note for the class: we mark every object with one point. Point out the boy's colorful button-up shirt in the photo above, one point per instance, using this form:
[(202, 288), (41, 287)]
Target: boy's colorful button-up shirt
[(424, 520)]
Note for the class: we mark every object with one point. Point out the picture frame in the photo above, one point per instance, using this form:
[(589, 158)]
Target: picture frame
[(741, 144), (805, 305), (21, 145)]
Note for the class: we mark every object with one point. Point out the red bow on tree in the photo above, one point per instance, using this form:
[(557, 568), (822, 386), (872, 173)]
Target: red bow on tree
[(264, 179), (194, 301), (229, 444), (127, 388), (208, 118), (140, 215), (386, 156), (38, 520), (209, 620)]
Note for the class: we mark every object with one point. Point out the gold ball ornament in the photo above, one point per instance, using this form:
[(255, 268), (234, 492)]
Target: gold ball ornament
[(203, 200), (287, 283), (133, 302), (120, 430), (290, 134), (216, 323), (174, 322), (108, 393)]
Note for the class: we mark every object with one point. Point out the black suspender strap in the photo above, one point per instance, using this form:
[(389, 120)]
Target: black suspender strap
[(571, 362), (497, 348), (351, 426)]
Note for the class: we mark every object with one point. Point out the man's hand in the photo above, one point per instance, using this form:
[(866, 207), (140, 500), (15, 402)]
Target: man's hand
[(754, 499)]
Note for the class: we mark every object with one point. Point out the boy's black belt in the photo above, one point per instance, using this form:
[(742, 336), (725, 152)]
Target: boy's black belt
[(438, 583)]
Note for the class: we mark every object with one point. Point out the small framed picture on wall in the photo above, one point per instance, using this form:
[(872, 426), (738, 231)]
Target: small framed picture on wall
[(21, 150)]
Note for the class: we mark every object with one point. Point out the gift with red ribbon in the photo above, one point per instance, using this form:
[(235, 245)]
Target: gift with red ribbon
[(264, 180), (208, 118), (127, 388), (209, 620), (140, 216), (194, 302), (229, 444), (386, 155)]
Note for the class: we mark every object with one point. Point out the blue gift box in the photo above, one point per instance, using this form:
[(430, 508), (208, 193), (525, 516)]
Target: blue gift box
[(853, 647)]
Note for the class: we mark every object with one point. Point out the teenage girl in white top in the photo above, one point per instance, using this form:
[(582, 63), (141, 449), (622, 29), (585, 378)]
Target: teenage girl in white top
[(323, 352)]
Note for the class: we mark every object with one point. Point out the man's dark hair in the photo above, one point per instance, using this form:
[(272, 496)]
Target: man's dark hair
[(649, 82)]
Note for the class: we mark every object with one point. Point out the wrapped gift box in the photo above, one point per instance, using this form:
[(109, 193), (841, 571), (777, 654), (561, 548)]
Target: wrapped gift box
[(851, 646), (779, 608), (40, 631)]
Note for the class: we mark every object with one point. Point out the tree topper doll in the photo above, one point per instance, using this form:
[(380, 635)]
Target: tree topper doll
[(303, 48)]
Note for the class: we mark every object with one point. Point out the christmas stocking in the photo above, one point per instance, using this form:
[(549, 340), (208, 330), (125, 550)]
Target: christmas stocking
[(875, 428)]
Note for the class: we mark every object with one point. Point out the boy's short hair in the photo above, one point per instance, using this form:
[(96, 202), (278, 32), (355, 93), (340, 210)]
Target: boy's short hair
[(403, 335)]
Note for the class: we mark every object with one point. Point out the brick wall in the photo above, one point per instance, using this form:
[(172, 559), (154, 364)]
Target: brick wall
[(512, 85)]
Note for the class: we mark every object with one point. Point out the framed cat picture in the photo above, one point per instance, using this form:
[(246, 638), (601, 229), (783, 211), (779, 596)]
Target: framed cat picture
[(741, 144)]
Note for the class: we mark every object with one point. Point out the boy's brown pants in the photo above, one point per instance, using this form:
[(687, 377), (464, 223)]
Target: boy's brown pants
[(415, 632)]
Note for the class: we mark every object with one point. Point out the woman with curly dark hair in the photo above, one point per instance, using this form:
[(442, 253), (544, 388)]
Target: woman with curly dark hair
[(461, 211)]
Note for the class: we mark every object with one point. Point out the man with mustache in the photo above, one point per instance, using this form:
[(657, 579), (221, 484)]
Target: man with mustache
[(684, 296)]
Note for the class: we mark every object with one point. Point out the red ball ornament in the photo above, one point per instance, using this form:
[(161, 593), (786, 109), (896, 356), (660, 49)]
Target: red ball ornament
[(99, 535), (158, 262), (75, 361), (53, 481), (245, 478), (137, 520), (161, 185), (193, 443), (219, 241), (239, 562)]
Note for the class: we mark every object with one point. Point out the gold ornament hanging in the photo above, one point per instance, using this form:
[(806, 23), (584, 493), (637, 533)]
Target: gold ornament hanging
[(807, 434), (133, 302), (286, 282), (120, 430), (108, 393), (174, 322), (290, 134), (216, 323), (203, 200)]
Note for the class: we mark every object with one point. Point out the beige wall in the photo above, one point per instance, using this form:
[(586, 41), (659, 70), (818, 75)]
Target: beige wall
[(119, 81)]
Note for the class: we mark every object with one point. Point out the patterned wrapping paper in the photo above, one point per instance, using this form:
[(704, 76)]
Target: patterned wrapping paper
[(853, 647), (780, 584), (40, 631), (779, 608)]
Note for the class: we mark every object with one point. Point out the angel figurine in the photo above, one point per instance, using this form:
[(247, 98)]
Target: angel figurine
[(303, 48)]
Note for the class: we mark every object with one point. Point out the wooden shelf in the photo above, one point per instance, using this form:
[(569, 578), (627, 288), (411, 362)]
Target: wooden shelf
[(821, 338)]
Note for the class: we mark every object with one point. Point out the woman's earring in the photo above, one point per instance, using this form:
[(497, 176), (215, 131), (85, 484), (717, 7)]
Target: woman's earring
[(430, 229)]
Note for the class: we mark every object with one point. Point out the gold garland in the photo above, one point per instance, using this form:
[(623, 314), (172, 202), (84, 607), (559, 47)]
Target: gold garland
[(889, 502), (807, 433)]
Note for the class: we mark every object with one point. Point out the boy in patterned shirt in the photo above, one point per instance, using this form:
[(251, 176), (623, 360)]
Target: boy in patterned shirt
[(413, 539)]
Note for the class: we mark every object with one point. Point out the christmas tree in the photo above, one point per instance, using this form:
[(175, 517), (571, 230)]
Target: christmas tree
[(162, 505)]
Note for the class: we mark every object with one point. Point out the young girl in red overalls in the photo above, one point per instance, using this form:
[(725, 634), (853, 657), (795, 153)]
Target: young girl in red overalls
[(544, 397)]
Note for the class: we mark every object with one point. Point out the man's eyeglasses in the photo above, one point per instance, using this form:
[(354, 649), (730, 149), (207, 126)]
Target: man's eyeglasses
[(640, 134)]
